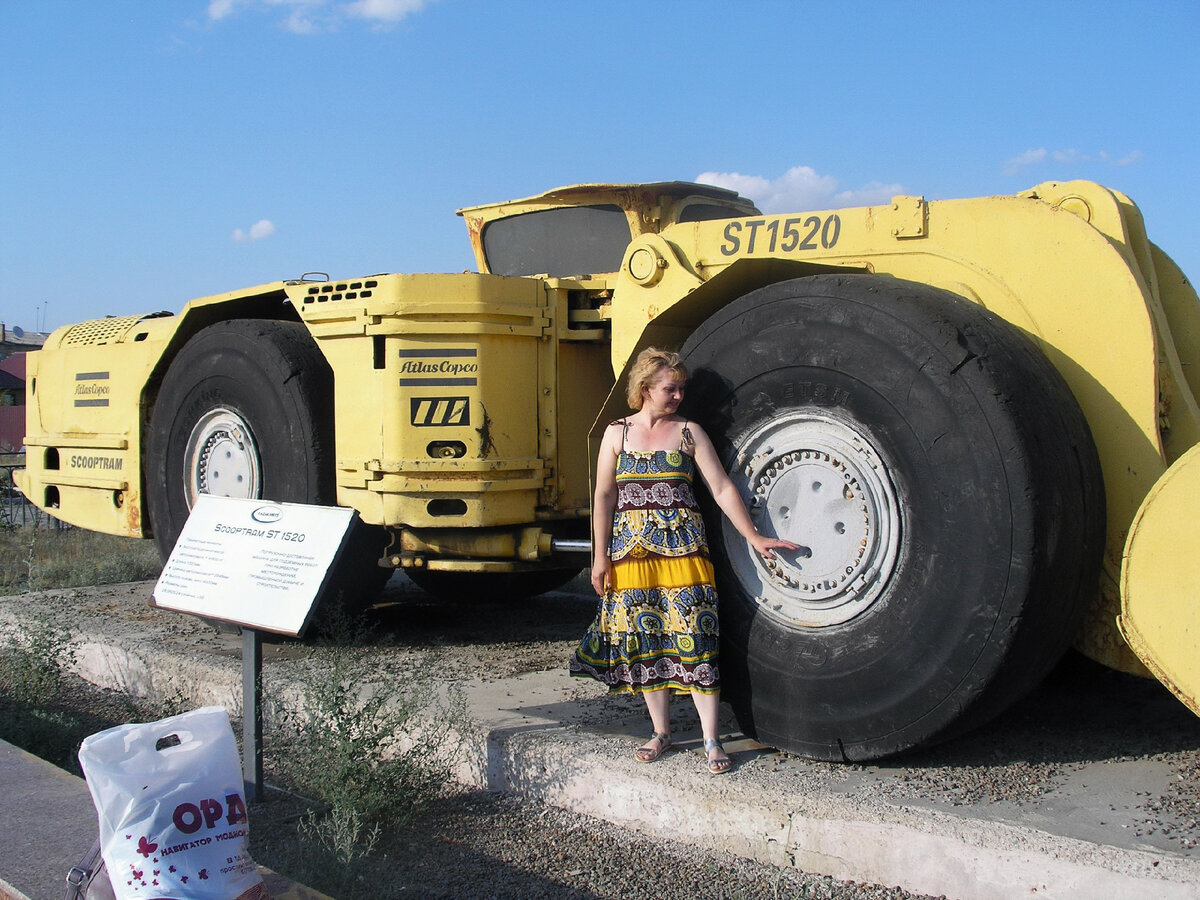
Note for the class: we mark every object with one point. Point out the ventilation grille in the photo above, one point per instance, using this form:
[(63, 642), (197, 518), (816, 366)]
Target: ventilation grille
[(347, 290), (100, 331)]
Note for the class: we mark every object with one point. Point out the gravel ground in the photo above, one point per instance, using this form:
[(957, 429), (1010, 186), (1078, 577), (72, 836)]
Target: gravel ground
[(1084, 725), (484, 845)]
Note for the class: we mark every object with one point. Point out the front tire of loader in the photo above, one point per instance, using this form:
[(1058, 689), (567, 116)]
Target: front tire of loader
[(947, 494), (246, 410)]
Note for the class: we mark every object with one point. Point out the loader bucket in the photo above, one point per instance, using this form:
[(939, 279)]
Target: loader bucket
[(1160, 580)]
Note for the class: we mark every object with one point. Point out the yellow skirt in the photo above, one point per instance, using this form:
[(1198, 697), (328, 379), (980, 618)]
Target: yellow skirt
[(656, 628)]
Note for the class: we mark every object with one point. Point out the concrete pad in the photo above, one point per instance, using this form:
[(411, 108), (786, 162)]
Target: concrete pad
[(853, 835), (45, 824)]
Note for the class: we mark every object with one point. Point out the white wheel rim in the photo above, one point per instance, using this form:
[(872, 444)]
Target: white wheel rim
[(817, 481), (222, 458)]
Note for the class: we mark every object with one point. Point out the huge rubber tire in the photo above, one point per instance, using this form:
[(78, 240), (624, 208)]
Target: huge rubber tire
[(946, 490), (490, 587), (246, 410)]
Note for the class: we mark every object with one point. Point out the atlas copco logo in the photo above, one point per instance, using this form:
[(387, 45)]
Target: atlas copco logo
[(438, 366), (445, 367)]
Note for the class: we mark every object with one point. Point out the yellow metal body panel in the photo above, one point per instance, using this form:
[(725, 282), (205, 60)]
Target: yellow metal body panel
[(421, 363), (1160, 583), (83, 440), (428, 364)]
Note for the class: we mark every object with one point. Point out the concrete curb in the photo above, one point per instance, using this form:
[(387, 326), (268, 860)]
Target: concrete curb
[(920, 850)]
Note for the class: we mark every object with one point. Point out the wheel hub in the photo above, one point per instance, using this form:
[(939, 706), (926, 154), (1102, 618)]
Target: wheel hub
[(222, 458), (817, 481)]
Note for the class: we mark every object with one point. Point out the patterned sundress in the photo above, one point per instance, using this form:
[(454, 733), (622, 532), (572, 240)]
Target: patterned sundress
[(656, 628)]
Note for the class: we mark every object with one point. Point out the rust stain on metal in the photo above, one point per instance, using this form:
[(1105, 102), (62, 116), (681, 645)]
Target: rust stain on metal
[(475, 234), (131, 503)]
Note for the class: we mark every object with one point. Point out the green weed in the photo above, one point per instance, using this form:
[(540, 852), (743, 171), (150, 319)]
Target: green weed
[(342, 832), (34, 659), (34, 662), (372, 756)]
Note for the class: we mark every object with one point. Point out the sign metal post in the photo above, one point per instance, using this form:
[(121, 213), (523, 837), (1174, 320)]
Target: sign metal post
[(252, 726)]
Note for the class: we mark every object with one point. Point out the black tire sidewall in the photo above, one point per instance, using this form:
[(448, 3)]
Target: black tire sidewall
[(904, 669), (250, 367)]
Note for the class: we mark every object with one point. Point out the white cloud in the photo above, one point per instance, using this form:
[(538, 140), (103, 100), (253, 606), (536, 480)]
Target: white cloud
[(1028, 158), (800, 187), (315, 16), (1127, 160), (1068, 157), (384, 11), (299, 21), (263, 228), (219, 9), (872, 193)]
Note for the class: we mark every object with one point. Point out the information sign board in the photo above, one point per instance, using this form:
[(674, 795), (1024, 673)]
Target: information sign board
[(253, 563)]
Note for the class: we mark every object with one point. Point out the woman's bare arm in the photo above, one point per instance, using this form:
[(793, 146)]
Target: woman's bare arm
[(603, 504), (727, 498)]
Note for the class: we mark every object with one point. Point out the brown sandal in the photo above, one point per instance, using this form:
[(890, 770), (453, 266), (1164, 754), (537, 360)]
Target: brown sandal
[(661, 743)]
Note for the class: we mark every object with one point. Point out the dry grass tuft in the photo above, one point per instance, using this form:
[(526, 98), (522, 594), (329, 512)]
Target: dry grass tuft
[(38, 559)]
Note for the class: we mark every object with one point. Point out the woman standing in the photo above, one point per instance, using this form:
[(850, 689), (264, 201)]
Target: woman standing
[(656, 630)]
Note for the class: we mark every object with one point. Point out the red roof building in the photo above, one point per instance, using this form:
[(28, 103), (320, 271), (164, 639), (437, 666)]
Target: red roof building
[(12, 403)]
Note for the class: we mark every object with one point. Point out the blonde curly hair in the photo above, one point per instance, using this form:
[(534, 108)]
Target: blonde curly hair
[(645, 371)]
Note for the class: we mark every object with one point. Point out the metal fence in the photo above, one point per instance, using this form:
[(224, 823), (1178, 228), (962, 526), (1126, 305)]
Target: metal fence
[(15, 510)]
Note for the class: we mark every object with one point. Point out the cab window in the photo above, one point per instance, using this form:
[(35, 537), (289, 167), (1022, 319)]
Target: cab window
[(577, 240)]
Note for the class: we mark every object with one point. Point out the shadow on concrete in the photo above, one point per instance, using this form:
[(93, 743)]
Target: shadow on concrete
[(1083, 712)]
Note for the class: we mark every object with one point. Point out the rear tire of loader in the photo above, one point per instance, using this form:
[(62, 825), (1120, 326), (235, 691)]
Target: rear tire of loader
[(947, 492), (246, 410)]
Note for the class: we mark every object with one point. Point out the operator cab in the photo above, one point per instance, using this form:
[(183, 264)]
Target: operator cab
[(583, 230)]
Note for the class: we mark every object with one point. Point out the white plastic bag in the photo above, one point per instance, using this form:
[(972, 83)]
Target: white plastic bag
[(173, 820)]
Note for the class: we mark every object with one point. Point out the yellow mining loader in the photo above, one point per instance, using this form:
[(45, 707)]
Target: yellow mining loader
[(977, 418)]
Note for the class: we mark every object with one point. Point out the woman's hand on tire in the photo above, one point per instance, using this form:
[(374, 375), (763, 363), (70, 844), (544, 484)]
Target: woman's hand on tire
[(763, 545)]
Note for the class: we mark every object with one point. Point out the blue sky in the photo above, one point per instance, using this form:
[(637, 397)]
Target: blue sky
[(160, 150)]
